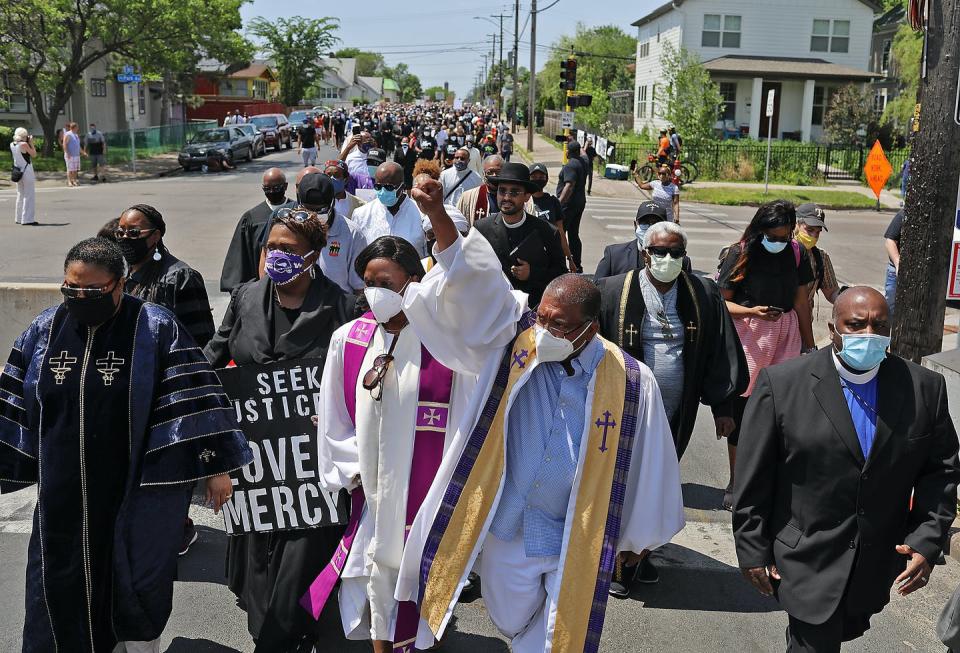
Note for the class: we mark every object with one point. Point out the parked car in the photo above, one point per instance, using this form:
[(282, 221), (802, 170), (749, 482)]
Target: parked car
[(259, 145), (296, 121), (275, 128), (230, 142)]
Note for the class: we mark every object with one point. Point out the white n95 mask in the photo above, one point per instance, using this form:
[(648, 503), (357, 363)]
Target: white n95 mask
[(384, 303)]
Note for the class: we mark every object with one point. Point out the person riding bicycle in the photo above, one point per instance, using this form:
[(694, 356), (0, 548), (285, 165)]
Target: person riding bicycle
[(676, 142)]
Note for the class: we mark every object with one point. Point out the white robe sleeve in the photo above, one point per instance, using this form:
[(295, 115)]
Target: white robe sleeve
[(338, 455), (464, 309), (653, 506)]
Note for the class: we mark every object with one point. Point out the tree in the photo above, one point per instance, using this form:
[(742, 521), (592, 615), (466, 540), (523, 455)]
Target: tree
[(369, 64), (431, 93), (851, 109), (688, 98), (295, 45), (48, 44), (604, 54), (408, 82), (905, 54)]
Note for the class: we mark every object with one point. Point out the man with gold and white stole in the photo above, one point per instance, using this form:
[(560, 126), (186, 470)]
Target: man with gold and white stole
[(563, 466)]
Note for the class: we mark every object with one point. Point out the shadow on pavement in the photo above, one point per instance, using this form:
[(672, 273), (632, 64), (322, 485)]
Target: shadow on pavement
[(187, 645), (471, 643), (205, 563), (701, 497), (693, 581)]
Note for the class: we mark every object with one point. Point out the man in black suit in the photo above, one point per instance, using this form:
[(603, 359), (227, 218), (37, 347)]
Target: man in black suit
[(406, 156), (832, 446), (620, 258), (539, 258)]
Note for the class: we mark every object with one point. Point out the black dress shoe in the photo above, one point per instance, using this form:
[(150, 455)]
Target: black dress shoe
[(647, 573)]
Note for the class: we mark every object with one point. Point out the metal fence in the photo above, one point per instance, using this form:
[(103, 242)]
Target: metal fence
[(149, 141), (746, 160)]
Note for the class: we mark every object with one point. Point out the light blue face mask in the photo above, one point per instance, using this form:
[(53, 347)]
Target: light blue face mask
[(372, 171), (388, 198), (772, 246), (641, 231), (865, 351)]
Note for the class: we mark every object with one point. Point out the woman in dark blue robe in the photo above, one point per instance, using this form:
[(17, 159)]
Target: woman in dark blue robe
[(108, 405)]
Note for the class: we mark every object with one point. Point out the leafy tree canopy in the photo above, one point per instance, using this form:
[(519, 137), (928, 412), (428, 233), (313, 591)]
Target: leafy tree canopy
[(295, 44)]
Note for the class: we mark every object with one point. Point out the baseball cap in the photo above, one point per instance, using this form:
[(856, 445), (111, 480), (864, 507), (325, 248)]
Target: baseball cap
[(651, 208), (376, 156), (539, 167), (315, 189), (812, 215)]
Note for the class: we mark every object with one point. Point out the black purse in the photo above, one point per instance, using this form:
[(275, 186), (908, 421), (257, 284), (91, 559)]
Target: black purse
[(16, 174)]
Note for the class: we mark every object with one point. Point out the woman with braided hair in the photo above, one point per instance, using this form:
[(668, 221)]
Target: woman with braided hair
[(159, 277)]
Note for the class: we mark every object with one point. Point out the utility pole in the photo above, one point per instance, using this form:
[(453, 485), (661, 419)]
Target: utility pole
[(493, 57), (932, 191), (516, 62), (532, 95), (500, 68)]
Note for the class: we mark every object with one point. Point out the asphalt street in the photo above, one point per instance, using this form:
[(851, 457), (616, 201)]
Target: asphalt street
[(701, 604)]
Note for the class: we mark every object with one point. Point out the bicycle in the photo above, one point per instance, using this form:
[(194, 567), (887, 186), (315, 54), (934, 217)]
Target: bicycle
[(684, 172)]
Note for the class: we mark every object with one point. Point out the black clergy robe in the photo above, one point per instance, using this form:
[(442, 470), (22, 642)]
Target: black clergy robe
[(714, 367), (269, 572), (114, 423), (242, 261)]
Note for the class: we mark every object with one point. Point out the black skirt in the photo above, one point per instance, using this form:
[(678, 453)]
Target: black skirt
[(269, 572)]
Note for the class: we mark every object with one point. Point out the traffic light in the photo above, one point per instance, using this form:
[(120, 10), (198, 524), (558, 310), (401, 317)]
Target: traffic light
[(579, 100), (568, 74)]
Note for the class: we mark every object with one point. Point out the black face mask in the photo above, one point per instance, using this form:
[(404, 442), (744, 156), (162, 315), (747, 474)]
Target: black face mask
[(134, 250), (91, 311), (539, 183)]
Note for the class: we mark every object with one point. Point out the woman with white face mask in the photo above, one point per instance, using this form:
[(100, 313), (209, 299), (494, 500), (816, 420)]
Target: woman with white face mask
[(764, 281), (388, 413)]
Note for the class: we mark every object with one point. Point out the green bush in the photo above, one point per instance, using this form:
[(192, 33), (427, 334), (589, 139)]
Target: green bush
[(6, 137)]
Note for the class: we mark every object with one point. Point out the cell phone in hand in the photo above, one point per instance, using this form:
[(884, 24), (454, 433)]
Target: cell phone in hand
[(356, 129), (775, 309)]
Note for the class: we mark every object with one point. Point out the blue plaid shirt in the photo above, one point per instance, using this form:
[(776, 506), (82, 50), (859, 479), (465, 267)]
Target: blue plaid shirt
[(544, 429)]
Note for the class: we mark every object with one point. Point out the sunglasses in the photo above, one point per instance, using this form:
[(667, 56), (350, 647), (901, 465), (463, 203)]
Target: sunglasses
[(510, 192), (279, 188), (133, 233), (373, 379), (674, 252), (298, 214), (387, 187), (90, 293)]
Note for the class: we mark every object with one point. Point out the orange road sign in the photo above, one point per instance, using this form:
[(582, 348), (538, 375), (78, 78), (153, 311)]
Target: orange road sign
[(877, 169)]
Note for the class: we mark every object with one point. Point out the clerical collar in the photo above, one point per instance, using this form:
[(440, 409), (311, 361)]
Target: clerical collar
[(853, 377), (515, 225)]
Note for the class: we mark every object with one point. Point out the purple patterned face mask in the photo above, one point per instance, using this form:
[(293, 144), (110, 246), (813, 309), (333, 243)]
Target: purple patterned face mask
[(284, 267)]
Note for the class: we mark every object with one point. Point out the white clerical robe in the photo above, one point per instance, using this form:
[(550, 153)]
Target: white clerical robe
[(380, 451), (466, 309), (375, 220)]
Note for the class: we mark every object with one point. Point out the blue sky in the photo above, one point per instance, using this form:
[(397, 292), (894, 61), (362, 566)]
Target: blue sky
[(440, 41)]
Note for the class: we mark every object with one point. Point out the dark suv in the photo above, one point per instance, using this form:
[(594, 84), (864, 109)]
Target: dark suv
[(275, 128)]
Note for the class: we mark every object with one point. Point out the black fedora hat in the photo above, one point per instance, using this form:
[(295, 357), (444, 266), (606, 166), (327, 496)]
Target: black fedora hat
[(514, 173)]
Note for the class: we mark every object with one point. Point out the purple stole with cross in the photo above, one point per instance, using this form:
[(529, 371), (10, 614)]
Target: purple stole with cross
[(433, 406)]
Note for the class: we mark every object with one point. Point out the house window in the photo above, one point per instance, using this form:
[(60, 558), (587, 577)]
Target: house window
[(728, 91), (48, 103), (880, 101), (141, 98), (233, 87), (260, 88), (642, 102), (98, 87), (720, 31), (329, 93), (645, 50), (885, 57), (653, 99), (830, 36), (822, 97), (14, 94)]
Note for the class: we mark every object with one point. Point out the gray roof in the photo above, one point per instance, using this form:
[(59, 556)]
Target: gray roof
[(670, 6), (739, 65)]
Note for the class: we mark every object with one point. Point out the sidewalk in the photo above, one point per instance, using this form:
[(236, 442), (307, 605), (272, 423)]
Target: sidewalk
[(155, 166), (547, 152)]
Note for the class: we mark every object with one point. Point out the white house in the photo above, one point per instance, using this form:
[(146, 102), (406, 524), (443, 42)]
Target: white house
[(341, 84), (802, 49)]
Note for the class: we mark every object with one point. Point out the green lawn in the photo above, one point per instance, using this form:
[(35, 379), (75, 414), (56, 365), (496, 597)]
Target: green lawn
[(827, 199), (54, 163)]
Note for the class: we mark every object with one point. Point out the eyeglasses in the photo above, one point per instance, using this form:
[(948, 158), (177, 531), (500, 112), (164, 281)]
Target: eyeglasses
[(510, 192), (133, 233), (373, 379), (92, 293), (387, 187), (298, 214), (665, 328), (559, 332), (279, 188), (674, 252)]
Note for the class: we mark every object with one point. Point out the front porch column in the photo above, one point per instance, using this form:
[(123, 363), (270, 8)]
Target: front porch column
[(757, 104), (806, 111)]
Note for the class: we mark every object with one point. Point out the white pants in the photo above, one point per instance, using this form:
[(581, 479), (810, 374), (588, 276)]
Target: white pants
[(138, 647), (519, 592), (26, 198), (309, 156)]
